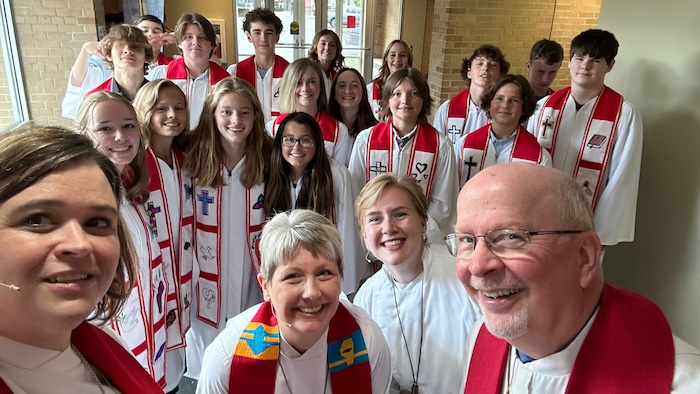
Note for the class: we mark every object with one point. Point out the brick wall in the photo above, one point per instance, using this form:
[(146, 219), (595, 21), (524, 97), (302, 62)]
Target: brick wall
[(50, 34), (459, 26)]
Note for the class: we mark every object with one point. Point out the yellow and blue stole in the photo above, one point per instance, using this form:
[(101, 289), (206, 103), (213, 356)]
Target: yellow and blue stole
[(254, 364)]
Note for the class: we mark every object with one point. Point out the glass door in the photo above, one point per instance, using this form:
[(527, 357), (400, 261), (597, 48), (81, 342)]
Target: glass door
[(299, 21), (243, 49)]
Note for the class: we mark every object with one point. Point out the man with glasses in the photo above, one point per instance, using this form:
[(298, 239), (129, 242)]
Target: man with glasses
[(528, 254)]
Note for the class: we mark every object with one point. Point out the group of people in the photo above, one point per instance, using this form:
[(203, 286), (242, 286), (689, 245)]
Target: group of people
[(227, 219)]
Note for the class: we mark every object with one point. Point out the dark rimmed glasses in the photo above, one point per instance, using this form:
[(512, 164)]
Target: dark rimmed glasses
[(305, 142), (507, 242)]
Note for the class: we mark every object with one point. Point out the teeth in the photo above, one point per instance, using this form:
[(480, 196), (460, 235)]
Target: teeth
[(310, 309), (120, 149), (501, 293), (393, 242), (67, 278)]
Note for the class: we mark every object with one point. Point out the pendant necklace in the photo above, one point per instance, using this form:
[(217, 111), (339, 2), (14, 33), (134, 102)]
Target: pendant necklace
[(414, 373), (87, 365)]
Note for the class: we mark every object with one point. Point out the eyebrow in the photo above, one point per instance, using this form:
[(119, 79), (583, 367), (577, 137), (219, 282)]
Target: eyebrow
[(368, 213), (41, 203)]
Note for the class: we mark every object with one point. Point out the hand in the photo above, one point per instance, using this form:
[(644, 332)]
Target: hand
[(167, 39), (93, 48)]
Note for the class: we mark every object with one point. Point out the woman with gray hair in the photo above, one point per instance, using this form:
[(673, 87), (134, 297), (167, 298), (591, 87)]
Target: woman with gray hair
[(322, 345)]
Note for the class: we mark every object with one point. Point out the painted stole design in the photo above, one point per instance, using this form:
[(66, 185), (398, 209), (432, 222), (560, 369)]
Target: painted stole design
[(141, 323), (635, 328), (329, 126), (477, 144), (423, 156), (255, 359), (457, 115), (247, 71), (177, 259), (207, 240), (178, 73), (597, 143), (376, 100)]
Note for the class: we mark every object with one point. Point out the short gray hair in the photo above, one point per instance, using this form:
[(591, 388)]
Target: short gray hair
[(288, 231), (573, 205)]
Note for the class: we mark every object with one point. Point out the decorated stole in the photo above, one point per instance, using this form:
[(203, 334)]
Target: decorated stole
[(177, 259), (477, 144), (255, 360), (423, 156), (376, 100), (629, 349), (247, 70), (207, 206), (178, 73), (163, 60), (457, 114), (597, 143), (330, 127), (141, 322)]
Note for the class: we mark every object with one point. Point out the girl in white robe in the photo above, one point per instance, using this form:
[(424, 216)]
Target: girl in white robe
[(226, 158)]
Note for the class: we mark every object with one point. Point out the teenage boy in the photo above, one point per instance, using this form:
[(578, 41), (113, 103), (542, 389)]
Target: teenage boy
[(462, 114), (263, 70), (595, 136)]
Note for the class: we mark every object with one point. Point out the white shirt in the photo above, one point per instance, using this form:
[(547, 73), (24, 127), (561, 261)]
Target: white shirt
[(305, 373), (449, 314), (442, 205), (476, 118), (97, 72), (616, 209)]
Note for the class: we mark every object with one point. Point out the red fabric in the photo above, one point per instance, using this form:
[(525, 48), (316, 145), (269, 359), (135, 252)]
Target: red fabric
[(178, 70), (163, 60), (525, 146), (458, 105), (629, 349), (105, 86), (245, 69)]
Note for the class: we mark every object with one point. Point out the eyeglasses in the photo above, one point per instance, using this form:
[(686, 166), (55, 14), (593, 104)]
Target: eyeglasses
[(507, 242), (305, 142)]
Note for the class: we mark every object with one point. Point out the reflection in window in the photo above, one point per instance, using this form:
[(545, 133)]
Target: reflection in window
[(13, 101)]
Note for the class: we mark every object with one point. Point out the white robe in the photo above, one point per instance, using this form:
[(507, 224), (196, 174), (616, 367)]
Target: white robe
[(617, 203), (305, 372), (442, 205), (344, 194), (239, 286), (263, 88), (97, 72), (551, 374), (343, 145), (28, 369), (449, 315), (476, 118), (197, 95)]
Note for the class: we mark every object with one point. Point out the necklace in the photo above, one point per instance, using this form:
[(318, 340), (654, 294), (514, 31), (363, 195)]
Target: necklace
[(87, 365), (289, 387), (414, 373)]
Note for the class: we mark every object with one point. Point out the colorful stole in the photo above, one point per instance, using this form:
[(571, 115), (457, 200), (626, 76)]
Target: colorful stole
[(376, 100), (255, 360), (629, 349), (476, 145), (247, 70), (208, 240), (178, 73), (457, 115), (177, 259), (163, 60), (423, 156), (141, 322), (597, 143), (110, 359), (329, 126)]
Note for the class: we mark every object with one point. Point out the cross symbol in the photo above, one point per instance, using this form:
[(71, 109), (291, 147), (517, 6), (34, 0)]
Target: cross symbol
[(204, 198), (471, 163), (152, 210), (547, 124), (378, 168), (454, 133)]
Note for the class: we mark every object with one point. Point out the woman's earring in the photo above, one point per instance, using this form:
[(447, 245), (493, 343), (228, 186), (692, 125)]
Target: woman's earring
[(425, 237)]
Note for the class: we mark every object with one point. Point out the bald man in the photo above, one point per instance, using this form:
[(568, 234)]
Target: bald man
[(528, 254)]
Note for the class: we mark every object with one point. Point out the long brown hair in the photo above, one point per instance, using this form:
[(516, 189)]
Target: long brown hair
[(205, 154), (365, 116)]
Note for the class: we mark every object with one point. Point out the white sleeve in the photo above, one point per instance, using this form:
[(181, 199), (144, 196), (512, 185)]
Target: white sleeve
[(74, 94), (344, 145), (157, 72), (546, 158), (268, 128), (440, 120), (617, 205), (357, 163), (216, 364), (531, 123), (379, 355), (231, 70), (442, 206)]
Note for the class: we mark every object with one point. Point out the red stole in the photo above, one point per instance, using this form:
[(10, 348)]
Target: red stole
[(106, 86), (476, 145), (162, 59), (178, 71), (254, 363), (457, 114), (110, 359), (423, 156), (177, 259), (330, 127), (629, 349), (208, 241), (247, 70), (597, 143), (376, 100)]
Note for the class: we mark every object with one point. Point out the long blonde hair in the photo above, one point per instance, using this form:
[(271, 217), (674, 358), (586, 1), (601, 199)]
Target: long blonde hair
[(145, 104), (291, 78)]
